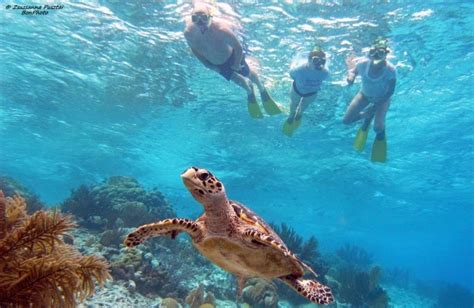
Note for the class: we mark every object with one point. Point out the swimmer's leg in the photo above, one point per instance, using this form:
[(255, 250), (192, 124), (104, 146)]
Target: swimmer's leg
[(252, 106), (355, 110), (379, 148), (268, 103), (305, 102), (295, 101)]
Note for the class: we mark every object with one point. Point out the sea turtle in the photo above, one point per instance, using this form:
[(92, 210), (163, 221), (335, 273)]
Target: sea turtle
[(235, 238)]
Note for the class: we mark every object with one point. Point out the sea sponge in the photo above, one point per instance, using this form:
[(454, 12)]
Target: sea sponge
[(37, 269), (197, 297), (169, 303), (260, 293)]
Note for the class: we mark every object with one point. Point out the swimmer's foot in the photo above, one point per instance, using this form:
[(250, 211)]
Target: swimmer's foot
[(269, 104), (379, 148), (361, 137), (253, 108)]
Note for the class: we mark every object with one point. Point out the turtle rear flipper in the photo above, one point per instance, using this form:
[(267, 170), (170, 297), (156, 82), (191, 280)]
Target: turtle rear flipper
[(311, 289), (167, 227)]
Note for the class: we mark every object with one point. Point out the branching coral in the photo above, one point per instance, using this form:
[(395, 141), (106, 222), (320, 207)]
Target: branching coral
[(36, 267), (10, 188), (360, 288), (306, 250)]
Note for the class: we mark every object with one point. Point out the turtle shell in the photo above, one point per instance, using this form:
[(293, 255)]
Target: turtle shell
[(250, 258)]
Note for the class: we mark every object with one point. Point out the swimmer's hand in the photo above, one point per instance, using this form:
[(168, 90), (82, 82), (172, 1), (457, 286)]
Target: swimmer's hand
[(350, 79)]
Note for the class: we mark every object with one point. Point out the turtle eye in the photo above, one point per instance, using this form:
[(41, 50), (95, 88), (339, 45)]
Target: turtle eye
[(203, 176)]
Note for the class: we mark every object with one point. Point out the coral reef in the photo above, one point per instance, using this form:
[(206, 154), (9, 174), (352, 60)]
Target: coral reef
[(360, 288), (355, 255), (37, 269), (260, 293), (10, 188), (138, 268), (198, 298), (454, 295), (118, 202)]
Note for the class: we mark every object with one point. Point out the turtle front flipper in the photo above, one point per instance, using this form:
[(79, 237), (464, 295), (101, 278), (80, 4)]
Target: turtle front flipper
[(311, 289), (163, 228)]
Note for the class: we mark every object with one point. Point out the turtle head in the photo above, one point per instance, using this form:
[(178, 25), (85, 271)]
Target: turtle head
[(205, 187)]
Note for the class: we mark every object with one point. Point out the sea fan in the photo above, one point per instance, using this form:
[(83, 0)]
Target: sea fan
[(37, 269)]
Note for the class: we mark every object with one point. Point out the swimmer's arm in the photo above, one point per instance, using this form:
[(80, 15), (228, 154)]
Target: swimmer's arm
[(233, 42), (203, 60), (198, 55), (352, 72), (391, 89), (351, 75)]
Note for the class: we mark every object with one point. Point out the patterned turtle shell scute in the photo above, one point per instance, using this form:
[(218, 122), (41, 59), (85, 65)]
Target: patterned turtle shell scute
[(248, 216)]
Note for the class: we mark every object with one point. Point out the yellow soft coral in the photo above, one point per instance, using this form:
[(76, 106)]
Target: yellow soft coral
[(37, 269)]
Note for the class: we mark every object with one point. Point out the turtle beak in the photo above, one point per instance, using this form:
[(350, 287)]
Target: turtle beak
[(188, 175)]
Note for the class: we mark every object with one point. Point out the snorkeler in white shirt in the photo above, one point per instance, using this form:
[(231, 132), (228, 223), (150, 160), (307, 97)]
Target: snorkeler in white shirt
[(307, 79), (373, 100)]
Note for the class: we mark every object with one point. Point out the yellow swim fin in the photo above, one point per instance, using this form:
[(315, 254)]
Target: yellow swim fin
[(379, 150), (296, 124), (360, 139), (288, 129), (253, 108), (269, 104)]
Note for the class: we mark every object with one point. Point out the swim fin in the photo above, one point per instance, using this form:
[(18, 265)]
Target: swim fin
[(269, 104), (253, 108), (288, 128), (296, 124), (360, 139), (379, 150)]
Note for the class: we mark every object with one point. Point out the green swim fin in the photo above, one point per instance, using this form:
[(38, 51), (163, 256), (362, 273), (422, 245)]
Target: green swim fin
[(288, 129), (360, 139), (269, 104), (253, 108), (379, 150)]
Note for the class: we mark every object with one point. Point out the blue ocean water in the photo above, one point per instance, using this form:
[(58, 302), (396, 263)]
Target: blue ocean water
[(108, 88)]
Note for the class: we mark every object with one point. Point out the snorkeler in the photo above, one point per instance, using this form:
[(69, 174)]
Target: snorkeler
[(307, 78), (217, 47), (378, 84)]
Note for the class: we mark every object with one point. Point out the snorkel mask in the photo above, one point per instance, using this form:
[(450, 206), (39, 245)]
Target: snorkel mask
[(200, 18), (379, 50), (317, 57)]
